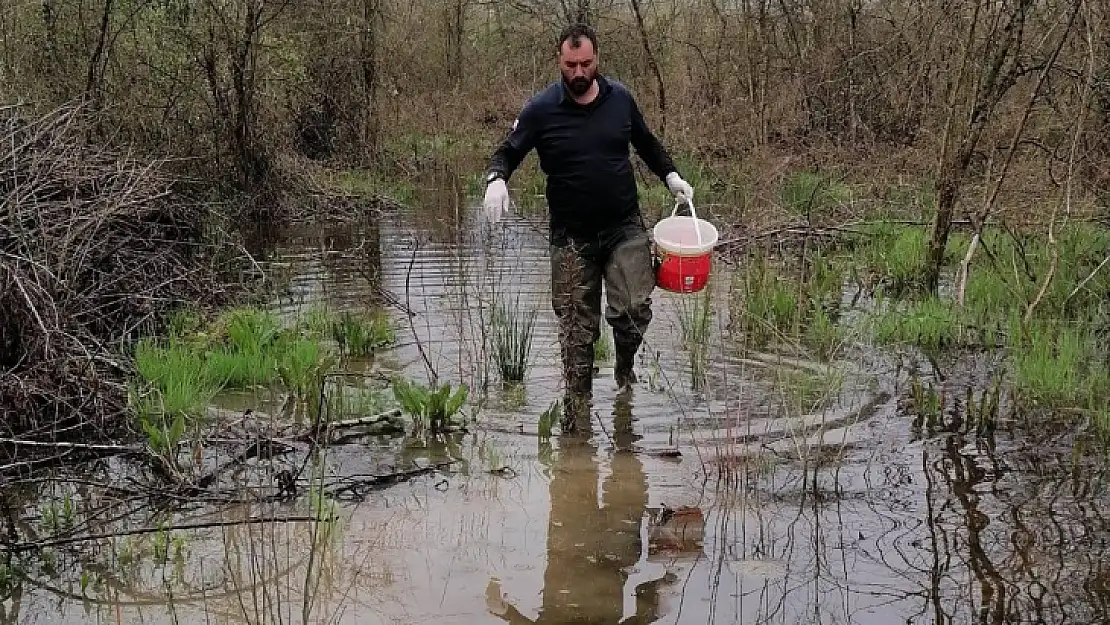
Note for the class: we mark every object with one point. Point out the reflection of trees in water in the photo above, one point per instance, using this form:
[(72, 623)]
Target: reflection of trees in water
[(1016, 538), (970, 534)]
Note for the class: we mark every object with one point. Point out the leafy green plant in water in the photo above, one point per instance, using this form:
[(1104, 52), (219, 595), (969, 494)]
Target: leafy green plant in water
[(302, 370), (513, 331), (549, 418), (433, 408)]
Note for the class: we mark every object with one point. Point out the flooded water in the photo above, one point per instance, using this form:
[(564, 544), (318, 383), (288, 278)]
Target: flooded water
[(771, 489)]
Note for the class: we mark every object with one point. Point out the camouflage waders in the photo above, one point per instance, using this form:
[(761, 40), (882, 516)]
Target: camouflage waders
[(622, 259)]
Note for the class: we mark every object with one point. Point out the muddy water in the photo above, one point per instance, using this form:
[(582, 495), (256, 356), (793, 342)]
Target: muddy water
[(771, 492)]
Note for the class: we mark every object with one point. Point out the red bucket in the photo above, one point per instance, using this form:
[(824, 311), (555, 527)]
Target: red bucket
[(684, 246), (683, 274)]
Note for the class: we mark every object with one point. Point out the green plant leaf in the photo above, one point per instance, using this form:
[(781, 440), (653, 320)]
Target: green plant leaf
[(177, 430)]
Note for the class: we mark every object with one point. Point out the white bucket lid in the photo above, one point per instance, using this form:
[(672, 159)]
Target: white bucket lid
[(688, 236)]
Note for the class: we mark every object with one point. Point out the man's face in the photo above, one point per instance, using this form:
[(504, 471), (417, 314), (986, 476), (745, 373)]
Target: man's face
[(578, 65)]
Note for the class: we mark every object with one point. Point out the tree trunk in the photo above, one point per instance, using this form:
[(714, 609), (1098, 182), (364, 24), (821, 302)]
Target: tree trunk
[(998, 75), (653, 65), (369, 45), (94, 79), (253, 162), (456, 13), (582, 12)]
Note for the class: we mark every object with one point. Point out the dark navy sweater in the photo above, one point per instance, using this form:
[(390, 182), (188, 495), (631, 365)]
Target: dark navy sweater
[(584, 152)]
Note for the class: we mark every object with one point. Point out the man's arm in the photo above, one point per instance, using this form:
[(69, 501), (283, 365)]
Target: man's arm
[(648, 146), (521, 140)]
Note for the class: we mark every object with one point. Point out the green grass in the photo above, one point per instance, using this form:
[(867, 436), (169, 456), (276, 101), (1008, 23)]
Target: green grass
[(241, 369), (768, 302), (805, 391), (929, 323), (776, 303), (695, 318), (895, 252), (1057, 365), (176, 382), (242, 348), (603, 346), (823, 334), (361, 334), (513, 330), (250, 330), (810, 193)]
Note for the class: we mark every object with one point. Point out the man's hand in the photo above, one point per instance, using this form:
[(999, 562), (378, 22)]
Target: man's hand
[(496, 203), (679, 187)]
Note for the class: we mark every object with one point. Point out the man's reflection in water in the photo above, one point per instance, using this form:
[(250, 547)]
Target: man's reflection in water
[(592, 541)]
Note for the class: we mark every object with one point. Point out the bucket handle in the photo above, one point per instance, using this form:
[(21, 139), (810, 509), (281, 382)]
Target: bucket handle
[(693, 215)]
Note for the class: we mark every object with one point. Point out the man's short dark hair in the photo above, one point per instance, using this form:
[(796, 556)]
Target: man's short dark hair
[(575, 33)]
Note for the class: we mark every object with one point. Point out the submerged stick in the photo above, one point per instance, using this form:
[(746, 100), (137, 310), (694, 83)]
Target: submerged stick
[(42, 544), (371, 420), (103, 448), (259, 448)]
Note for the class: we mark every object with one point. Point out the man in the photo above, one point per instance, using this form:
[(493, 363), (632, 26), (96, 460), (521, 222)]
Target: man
[(581, 128)]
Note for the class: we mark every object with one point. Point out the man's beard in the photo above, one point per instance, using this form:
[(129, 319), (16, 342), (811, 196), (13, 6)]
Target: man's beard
[(579, 85)]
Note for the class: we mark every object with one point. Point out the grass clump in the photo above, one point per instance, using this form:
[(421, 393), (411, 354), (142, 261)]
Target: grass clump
[(361, 334), (897, 253), (1056, 365), (242, 348), (769, 303), (513, 330), (173, 382), (695, 318), (823, 334), (302, 368), (778, 304), (604, 350), (930, 323), (807, 193), (805, 391)]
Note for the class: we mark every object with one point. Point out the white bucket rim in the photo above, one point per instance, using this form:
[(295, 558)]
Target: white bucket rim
[(709, 237)]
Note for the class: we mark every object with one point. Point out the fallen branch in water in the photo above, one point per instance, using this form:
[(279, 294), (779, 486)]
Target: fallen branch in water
[(264, 448), (375, 482), (378, 419), (43, 544), (89, 447)]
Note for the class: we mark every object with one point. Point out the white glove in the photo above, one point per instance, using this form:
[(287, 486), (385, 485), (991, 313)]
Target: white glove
[(496, 203), (679, 187)]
